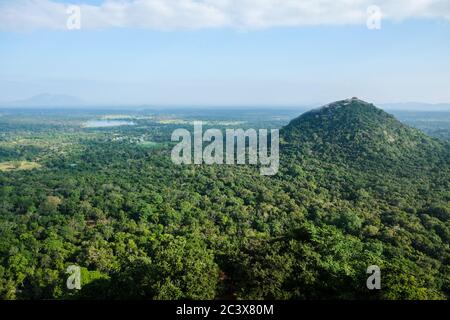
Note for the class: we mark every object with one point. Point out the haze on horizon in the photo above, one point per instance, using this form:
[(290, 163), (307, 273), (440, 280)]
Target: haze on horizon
[(211, 52)]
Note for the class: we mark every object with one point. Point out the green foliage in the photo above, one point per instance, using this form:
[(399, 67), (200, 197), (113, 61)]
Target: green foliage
[(355, 188)]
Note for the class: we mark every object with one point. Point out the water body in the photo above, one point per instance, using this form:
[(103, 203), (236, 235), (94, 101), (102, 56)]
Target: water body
[(107, 123)]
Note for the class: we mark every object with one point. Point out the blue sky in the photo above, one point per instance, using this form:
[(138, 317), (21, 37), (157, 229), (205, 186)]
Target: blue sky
[(294, 64)]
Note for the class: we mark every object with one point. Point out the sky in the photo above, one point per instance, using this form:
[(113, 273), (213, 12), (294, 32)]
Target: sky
[(227, 52)]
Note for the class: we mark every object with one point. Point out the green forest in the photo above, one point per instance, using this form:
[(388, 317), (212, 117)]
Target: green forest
[(356, 187)]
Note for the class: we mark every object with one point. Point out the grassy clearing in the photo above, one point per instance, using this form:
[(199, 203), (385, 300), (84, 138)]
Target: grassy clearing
[(18, 165), (149, 144)]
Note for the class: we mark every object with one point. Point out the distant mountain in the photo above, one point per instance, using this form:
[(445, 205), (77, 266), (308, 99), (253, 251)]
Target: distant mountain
[(355, 133), (47, 100)]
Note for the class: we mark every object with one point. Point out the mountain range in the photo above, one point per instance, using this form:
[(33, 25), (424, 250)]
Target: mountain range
[(46, 100)]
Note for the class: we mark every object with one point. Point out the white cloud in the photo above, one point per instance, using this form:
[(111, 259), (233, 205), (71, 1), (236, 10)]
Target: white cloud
[(197, 14)]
